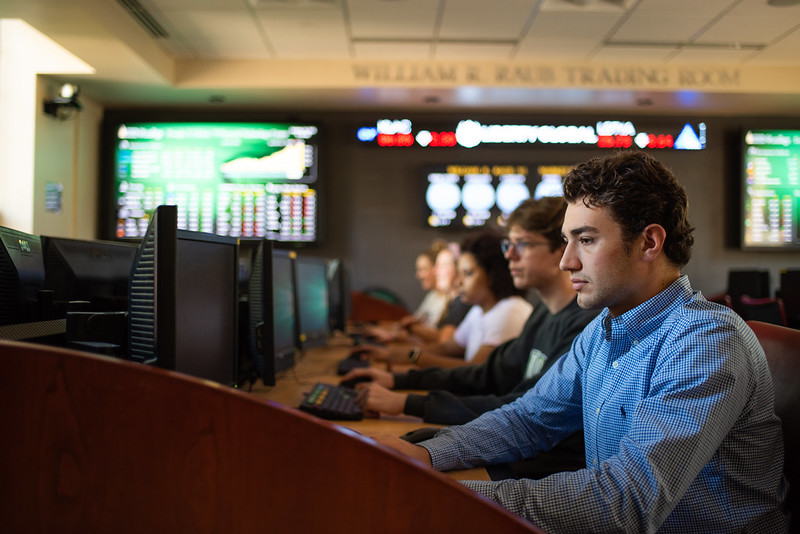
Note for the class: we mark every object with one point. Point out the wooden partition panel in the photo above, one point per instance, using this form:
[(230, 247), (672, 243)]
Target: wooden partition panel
[(91, 444)]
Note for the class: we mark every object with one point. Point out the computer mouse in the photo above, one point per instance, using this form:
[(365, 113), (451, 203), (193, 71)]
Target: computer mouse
[(351, 382), (420, 434), (359, 355)]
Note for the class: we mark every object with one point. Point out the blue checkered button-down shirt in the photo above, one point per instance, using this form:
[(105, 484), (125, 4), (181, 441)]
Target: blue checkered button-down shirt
[(676, 402)]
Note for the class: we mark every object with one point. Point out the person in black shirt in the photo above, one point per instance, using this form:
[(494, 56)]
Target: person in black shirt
[(534, 247)]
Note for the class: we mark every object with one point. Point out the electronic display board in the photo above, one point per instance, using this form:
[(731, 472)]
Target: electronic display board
[(770, 206), (472, 196), (238, 179)]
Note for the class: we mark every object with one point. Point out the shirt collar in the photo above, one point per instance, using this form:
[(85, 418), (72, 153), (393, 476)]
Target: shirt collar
[(649, 315)]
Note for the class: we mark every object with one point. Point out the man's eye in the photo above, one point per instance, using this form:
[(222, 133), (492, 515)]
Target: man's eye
[(586, 240)]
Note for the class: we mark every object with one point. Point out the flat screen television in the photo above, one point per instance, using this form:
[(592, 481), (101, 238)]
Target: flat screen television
[(311, 275), (473, 196), (234, 179), (770, 189)]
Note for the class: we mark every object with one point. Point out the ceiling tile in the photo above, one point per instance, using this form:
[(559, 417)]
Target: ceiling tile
[(392, 19), (630, 53), (392, 50), (711, 56), (497, 19), (207, 34), (473, 51), (654, 28), (306, 34)]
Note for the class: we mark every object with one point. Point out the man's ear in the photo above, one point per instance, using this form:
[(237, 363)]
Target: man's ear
[(653, 240)]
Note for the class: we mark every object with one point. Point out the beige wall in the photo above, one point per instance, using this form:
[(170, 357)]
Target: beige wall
[(66, 156)]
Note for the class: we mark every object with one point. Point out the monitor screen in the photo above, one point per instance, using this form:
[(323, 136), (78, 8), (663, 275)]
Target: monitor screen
[(770, 189), (183, 300), (237, 179), (151, 292), (207, 303), (312, 300), (284, 309), (22, 277), (256, 343), (85, 270), (472, 196), (338, 295)]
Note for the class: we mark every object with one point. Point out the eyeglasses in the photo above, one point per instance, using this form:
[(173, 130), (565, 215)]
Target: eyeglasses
[(519, 246)]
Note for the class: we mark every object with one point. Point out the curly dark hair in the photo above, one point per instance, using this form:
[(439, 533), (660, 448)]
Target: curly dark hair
[(637, 190), (485, 248), (543, 216)]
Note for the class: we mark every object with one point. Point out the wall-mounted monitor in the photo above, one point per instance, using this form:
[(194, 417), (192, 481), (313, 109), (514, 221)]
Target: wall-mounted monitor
[(770, 189), (472, 196), (233, 179)]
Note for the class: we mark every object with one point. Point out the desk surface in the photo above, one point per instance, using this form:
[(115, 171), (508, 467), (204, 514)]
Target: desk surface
[(319, 365)]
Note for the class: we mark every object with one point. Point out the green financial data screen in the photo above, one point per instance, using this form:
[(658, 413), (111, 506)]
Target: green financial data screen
[(771, 189), (237, 179)]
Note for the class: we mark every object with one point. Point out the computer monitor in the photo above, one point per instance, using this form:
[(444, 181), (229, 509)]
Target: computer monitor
[(22, 277), (183, 304), (207, 305), (152, 295), (284, 310), (257, 331), (83, 270), (312, 301), (338, 295)]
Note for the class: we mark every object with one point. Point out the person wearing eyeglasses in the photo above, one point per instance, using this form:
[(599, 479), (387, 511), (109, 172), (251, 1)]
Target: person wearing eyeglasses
[(533, 249), (498, 311), (673, 392)]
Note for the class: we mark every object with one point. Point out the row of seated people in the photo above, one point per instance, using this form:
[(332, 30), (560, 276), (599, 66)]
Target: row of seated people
[(623, 363)]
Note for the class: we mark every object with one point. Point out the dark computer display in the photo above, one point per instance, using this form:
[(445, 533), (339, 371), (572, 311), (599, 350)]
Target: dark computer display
[(284, 309), (207, 303), (312, 301), (83, 270), (183, 303), (256, 343), (152, 296), (338, 295), (22, 277)]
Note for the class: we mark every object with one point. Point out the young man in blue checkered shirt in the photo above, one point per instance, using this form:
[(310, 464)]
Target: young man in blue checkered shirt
[(673, 392)]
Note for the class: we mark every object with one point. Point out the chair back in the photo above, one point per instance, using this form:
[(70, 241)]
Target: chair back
[(764, 309), (782, 348)]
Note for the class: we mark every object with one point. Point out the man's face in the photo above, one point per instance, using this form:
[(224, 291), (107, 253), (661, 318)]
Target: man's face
[(534, 265), (603, 268)]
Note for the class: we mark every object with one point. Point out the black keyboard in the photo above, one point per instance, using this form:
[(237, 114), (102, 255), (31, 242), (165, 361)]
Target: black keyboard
[(332, 402)]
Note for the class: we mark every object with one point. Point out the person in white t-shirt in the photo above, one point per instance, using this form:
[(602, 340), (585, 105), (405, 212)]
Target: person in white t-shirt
[(498, 311)]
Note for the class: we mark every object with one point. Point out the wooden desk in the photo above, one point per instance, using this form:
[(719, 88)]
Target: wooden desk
[(319, 365), (93, 444)]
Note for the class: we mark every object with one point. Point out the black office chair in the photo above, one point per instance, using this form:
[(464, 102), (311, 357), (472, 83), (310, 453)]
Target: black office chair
[(754, 283), (790, 294), (766, 309)]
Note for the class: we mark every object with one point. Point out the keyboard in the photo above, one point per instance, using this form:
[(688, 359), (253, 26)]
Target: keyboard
[(332, 402)]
